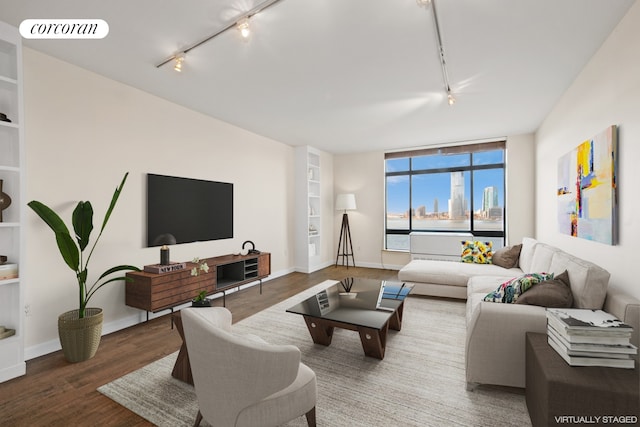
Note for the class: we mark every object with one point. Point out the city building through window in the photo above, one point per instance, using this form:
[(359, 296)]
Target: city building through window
[(448, 189)]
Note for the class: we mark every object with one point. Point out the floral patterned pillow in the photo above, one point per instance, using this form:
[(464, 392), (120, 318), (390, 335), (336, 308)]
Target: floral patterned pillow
[(474, 251), (509, 291)]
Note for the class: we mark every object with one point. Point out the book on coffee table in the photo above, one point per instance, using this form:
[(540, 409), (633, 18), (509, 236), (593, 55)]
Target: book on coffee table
[(395, 290)]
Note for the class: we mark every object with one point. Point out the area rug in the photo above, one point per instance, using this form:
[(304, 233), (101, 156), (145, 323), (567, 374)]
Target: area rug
[(420, 382)]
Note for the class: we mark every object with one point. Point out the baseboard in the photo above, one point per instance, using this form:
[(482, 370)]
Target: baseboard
[(12, 372)]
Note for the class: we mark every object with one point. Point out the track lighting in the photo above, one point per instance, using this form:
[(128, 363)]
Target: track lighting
[(179, 59), (445, 75), (240, 22), (243, 26)]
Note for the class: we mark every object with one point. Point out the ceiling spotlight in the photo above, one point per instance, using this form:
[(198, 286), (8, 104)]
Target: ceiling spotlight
[(450, 98), (243, 26), (179, 59)]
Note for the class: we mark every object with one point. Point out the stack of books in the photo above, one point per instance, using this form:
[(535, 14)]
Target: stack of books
[(590, 338)]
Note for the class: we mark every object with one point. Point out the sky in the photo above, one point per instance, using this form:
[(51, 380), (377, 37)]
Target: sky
[(427, 187)]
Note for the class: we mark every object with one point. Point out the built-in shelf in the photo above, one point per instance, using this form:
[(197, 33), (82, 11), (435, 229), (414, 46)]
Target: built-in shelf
[(12, 172), (309, 213)]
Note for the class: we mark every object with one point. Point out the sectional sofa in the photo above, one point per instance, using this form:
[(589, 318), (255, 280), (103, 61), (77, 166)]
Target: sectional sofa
[(495, 342)]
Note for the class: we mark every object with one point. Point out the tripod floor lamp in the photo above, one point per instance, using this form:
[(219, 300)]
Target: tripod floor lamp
[(345, 202)]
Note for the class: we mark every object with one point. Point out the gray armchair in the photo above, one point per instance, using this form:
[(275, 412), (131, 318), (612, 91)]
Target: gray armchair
[(241, 380)]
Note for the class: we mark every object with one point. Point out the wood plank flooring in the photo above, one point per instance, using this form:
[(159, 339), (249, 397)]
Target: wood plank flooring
[(57, 393)]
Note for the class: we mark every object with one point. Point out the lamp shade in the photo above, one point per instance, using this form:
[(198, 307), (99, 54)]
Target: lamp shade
[(346, 202), (164, 239)]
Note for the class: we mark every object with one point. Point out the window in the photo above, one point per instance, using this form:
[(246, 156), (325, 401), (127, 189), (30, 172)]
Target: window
[(455, 189)]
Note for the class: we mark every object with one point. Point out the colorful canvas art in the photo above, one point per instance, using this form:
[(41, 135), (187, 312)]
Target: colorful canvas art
[(587, 189)]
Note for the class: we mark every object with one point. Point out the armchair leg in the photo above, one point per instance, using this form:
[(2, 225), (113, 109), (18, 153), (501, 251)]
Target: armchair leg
[(198, 419), (311, 417)]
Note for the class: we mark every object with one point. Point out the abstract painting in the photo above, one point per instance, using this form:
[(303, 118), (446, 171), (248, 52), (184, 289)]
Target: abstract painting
[(587, 189)]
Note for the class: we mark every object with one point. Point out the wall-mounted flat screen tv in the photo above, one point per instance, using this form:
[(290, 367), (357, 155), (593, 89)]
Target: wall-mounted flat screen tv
[(190, 210)]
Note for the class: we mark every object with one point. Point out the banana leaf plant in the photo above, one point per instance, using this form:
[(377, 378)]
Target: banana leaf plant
[(73, 251)]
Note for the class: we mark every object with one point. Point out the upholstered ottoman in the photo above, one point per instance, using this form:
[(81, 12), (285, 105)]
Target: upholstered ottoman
[(560, 394)]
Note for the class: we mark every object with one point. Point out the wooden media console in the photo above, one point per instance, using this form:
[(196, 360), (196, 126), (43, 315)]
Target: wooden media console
[(156, 292)]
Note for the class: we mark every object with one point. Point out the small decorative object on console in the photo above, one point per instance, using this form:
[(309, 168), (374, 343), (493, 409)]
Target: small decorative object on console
[(201, 300), (159, 268), (251, 251), (164, 240), (200, 266)]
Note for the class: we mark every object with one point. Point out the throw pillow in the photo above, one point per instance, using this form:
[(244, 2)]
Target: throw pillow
[(552, 293), (510, 291), (507, 257), (474, 251)]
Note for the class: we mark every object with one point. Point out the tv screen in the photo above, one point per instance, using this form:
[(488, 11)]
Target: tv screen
[(190, 210)]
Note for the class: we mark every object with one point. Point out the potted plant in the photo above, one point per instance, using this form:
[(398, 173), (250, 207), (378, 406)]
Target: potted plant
[(201, 300), (347, 284), (80, 329)]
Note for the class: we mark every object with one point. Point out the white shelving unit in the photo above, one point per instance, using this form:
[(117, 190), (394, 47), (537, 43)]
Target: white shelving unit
[(309, 213), (12, 363)]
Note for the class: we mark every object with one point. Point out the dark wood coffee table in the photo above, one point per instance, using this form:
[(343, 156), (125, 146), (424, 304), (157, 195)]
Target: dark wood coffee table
[(362, 311)]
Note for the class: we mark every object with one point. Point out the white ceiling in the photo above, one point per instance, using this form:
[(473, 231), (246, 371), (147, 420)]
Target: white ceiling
[(344, 75)]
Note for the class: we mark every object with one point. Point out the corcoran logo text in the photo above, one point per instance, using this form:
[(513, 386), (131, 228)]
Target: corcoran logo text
[(64, 29)]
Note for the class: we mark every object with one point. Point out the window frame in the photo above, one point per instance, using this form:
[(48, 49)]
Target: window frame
[(468, 149)]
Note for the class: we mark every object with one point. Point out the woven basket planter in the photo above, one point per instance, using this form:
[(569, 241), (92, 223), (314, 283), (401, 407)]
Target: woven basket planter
[(80, 338)]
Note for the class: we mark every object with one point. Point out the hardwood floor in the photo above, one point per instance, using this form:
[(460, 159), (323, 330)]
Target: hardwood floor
[(57, 393)]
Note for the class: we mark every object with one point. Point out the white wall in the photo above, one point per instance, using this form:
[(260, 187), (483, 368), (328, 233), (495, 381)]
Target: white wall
[(607, 92), (520, 180), (83, 132), (363, 174)]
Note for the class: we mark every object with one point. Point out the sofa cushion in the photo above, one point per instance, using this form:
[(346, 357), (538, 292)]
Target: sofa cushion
[(542, 256), (484, 284), (526, 253), (477, 252), (588, 281), (448, 272), (507, 257), (510, 291), (553, 293)]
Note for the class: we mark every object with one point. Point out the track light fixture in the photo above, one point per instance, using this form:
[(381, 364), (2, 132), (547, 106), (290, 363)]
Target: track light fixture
[(243, 27), (237, 22), (450, 98), (178, 62), (445, 75)]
